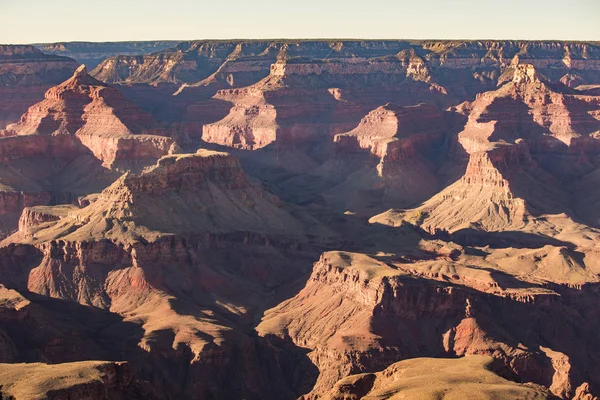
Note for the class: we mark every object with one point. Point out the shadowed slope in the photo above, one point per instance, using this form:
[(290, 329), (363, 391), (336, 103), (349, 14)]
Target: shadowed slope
[(510, 136), (94, 115), (182, 251)]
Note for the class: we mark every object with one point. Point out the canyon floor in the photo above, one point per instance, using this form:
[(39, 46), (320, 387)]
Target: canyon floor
[(300, 219)]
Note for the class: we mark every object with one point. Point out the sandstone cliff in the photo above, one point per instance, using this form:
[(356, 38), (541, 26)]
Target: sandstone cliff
[(192, 224), (95, 116), (470, 377), (25, 74), (521, 141), (359, 313)]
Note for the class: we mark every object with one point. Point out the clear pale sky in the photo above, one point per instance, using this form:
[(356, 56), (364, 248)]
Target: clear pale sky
[(34, 21)]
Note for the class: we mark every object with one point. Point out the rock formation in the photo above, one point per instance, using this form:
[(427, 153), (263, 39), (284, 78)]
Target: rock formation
[(481, 62), (405, 141), (303, 98), (80, 380), (147, 239), (358, 313), (95, 115), (92, 54), (191, 272), (469, 377), (521, 140), (25, 74), (79, 121), (365, 74)]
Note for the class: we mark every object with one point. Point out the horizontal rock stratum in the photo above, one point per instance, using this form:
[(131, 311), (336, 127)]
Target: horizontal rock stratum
[(300, 219)]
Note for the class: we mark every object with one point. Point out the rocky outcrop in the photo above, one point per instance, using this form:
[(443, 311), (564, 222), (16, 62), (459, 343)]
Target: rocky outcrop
[(417, 126), (23, 65), (81, 380), (392, 155), (127, 148), (80, 121), (430, 378), (521, 140), (284, 118), (359, 314), (305, 100), (291, 118), (531, 108), (572, 80), (247, 128), (483, 197), (87, 112), (333, 315), (33, 216), (25, 74), (396, 135), (131, 251)]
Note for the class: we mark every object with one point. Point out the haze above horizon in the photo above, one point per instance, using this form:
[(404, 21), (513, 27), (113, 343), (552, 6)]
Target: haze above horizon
[(41, 21)]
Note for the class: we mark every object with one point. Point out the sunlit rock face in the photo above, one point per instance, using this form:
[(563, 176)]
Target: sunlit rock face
[(301, 219)]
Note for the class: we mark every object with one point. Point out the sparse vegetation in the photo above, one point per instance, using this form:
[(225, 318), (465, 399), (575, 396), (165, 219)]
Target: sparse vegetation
[(418, 217)]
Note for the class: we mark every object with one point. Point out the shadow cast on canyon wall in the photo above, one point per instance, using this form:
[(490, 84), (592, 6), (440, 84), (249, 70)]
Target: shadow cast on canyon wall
[(66, 331), (315, 171), (503, 239), (244, 365), (515, 328), (561, 323)]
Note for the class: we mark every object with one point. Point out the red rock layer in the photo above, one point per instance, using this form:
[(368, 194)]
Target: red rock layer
[(131, 251), (367, 73), (357, 314), (25, 74), (191, 62), (91, 54), (521, 140), (528, 107), (299, 104), (395, 134), (88, 112)]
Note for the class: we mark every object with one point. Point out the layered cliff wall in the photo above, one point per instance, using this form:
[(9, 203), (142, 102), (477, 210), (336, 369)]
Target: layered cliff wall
[(130, 251), (197, 60), (92, 54), (91, 115), (25, 74), (358, 313)]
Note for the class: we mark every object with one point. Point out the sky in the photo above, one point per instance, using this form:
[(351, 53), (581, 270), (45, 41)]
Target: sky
[(44, 21)]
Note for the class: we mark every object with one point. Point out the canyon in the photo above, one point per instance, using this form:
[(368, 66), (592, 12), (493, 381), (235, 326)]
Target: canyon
[(300, 219)]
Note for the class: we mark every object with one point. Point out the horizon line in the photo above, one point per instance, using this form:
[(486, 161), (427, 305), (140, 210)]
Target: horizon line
[(304, 39)]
